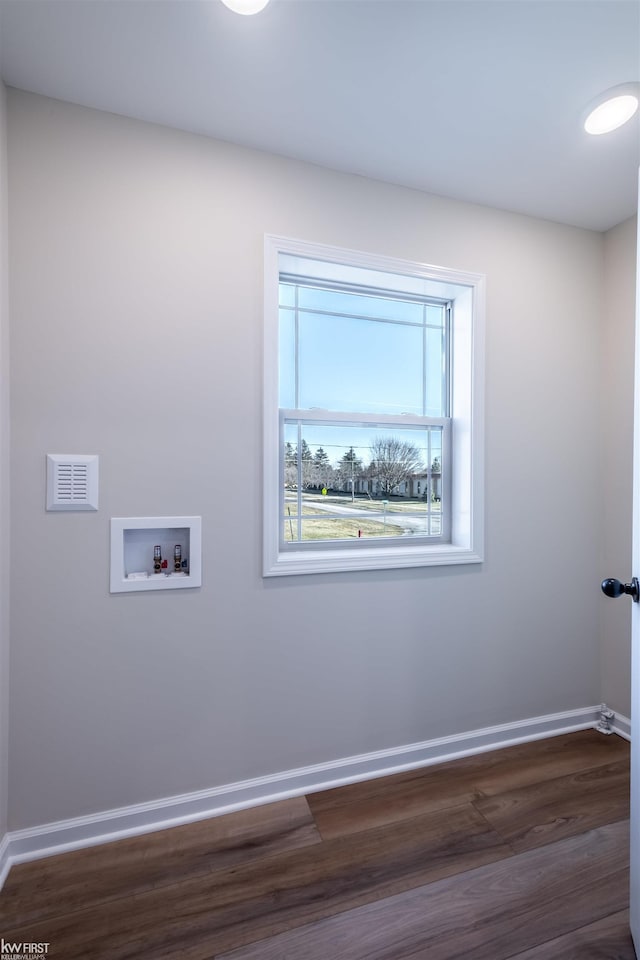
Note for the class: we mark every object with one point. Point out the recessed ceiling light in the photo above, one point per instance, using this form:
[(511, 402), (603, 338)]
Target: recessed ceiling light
[(612, 108), (246, 7)]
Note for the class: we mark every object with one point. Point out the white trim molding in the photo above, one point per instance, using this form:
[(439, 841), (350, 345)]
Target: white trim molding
[(466, 291), (621, 725), (5, 859), (63, 836)]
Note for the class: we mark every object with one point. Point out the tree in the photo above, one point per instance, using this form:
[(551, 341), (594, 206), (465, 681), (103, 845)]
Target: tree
[(393, 461), (308, 466), (322, 468), (349, 467), (305, 451), (351, 458), (291, 465)]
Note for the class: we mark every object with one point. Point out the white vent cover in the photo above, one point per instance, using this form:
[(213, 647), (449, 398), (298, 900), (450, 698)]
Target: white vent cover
[(72, 482)]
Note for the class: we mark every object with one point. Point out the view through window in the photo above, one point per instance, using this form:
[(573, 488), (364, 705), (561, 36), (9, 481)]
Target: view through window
[(364, 395)]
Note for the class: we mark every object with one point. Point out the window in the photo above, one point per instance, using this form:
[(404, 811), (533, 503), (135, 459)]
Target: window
[(373, 411)]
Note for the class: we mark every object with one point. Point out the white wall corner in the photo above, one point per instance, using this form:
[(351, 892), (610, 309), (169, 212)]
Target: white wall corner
[(5, 566)]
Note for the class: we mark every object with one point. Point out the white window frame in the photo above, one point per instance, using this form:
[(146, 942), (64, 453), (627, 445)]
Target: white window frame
[(467, 293)]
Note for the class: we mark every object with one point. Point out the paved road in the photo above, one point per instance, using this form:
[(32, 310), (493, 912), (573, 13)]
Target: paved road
[(408, 522)]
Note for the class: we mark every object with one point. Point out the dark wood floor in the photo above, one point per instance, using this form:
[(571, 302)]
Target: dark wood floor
[(520, 853)]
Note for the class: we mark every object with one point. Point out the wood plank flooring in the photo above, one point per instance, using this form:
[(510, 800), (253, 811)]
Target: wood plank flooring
[(517, 854)]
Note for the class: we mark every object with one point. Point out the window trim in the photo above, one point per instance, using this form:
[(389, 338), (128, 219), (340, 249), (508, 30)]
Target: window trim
[(467, 422)]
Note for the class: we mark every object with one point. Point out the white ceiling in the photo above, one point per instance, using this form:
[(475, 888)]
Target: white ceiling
[(479, 100)]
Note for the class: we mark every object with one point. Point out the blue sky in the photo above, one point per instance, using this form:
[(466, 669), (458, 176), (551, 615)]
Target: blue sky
[(361, 354)]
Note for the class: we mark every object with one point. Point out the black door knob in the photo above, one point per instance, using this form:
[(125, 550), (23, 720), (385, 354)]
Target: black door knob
[(614, 588)]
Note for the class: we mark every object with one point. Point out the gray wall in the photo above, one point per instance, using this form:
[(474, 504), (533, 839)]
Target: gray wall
[(136, 266), (4, 466), (615, 451)]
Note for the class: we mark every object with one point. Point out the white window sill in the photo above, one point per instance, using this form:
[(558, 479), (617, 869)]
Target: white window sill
[(293, 563)]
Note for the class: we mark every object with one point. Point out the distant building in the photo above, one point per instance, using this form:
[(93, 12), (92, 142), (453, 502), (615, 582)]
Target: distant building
[(422, 485)]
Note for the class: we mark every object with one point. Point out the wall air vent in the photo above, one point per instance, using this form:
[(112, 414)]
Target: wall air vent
[(72, 482)]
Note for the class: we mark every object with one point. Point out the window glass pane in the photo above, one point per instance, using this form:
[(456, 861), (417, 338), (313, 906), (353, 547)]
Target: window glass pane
[(358, 305), (287, 295), (361, 482), (287, 359), (435, 380), (359, 365), (435, 316)]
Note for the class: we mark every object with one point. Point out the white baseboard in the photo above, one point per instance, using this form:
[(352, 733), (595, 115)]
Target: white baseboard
[(65, 835), (5, 859), (621, 725)]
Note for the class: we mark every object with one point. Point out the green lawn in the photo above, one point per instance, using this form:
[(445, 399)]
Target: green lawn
[(337, 528)]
